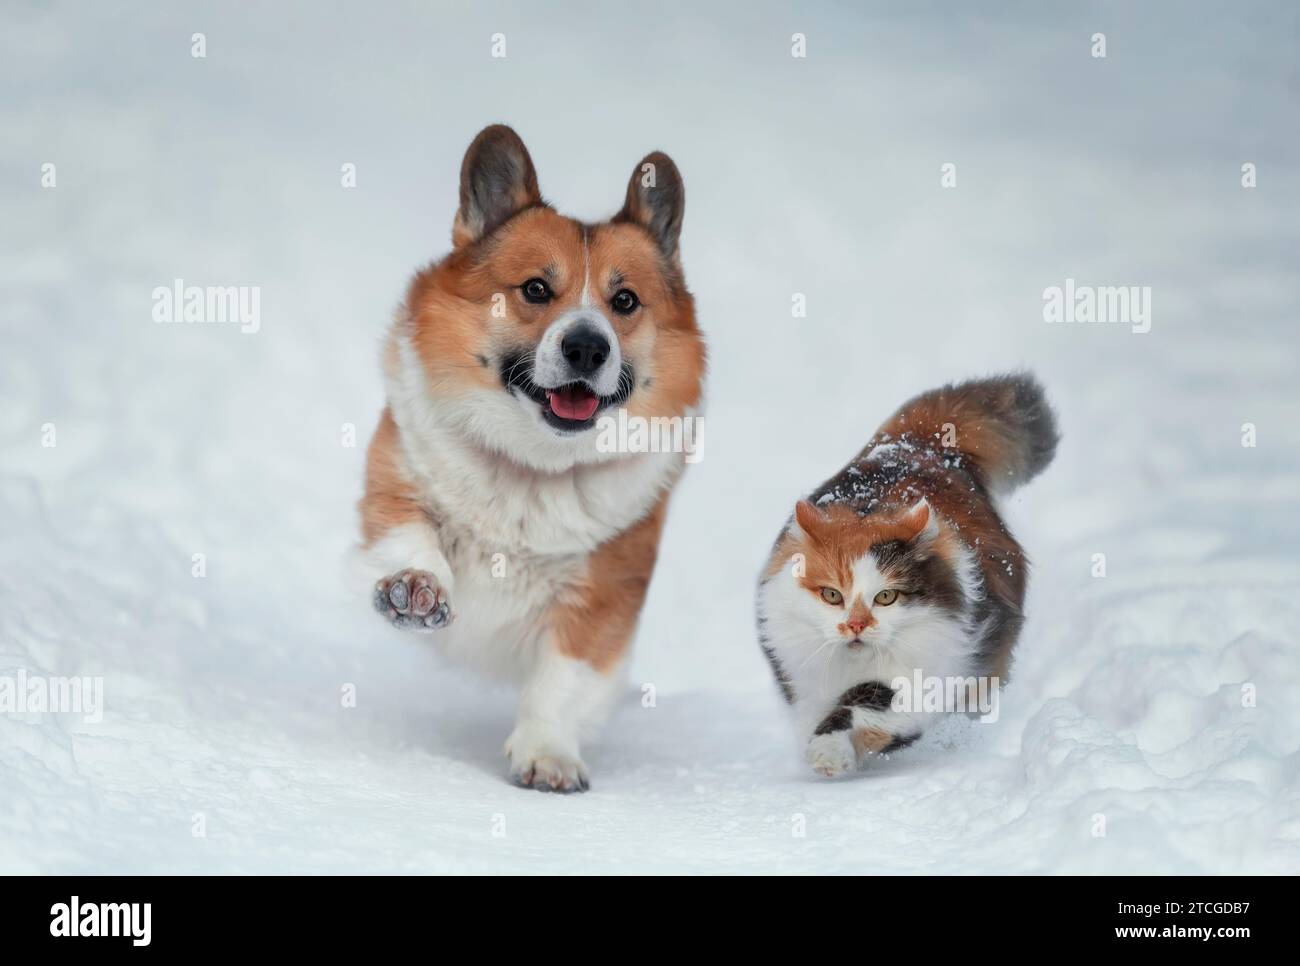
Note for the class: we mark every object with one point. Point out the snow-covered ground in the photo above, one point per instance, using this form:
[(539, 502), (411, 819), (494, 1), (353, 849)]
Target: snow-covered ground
[(1159, 704)]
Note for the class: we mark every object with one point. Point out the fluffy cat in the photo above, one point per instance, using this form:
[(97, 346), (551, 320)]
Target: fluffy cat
[(899, 568)]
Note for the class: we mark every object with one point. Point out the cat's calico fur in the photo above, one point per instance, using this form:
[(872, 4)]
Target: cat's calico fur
[(901, 564)]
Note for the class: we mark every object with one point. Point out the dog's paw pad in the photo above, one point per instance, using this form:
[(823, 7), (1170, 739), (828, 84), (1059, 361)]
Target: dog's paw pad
[(412, 599), (552, 774), (544, 770)]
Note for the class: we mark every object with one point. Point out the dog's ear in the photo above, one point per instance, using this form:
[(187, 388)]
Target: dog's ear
[(497, 180), (656, 199)]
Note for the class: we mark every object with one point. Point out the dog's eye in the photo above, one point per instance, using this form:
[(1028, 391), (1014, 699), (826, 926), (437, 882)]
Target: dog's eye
[(832, 596), (624, 301), (886, 597), (536, 291)]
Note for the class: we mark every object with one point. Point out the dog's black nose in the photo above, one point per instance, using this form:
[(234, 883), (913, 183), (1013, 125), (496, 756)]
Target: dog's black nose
[(585, 350)]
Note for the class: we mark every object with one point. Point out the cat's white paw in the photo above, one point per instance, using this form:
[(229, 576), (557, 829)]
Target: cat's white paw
[(832, 754), (536, 762)]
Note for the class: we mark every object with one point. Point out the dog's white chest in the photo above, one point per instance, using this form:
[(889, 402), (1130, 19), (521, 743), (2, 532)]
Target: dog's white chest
[(515, 541), (516, 512)]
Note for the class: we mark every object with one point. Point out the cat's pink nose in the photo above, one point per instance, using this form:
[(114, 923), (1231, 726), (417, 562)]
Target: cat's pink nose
[(856, 625)]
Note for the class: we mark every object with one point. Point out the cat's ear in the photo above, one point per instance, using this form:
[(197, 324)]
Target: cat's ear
[(919, 522), (809, 518), (497, 180)]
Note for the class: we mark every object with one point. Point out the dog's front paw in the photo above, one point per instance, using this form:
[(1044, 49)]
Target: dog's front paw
[(831, 754), (537, 763), (413, 599)]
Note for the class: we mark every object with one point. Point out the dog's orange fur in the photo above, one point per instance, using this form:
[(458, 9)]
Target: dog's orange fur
[(594, 619), (390, 500), (452, 326), (450, 303)]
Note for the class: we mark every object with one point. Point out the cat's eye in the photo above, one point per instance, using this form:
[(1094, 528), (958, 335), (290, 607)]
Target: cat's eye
[(536, 291), (832, 596), (886, 597)]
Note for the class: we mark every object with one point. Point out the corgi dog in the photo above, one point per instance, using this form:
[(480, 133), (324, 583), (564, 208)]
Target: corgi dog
[(899, 569), (493, 520)]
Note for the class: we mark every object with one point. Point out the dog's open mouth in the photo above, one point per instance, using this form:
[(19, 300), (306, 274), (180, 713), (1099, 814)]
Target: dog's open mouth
[(573, 403), (569, 408)]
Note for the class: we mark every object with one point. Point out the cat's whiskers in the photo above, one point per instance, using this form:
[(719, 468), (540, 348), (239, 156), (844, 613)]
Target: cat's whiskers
[(827, 688), (813, 655)]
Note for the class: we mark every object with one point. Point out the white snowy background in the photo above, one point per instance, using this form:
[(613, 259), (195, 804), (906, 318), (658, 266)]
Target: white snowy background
[(817, 175)]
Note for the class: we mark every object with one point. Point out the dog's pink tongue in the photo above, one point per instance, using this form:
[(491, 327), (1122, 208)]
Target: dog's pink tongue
[(573, 402)]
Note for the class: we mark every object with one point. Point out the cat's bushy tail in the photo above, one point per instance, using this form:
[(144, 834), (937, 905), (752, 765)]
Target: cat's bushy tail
[(1002, 426)]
